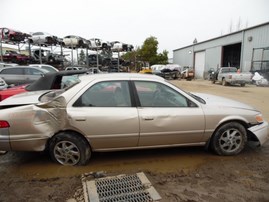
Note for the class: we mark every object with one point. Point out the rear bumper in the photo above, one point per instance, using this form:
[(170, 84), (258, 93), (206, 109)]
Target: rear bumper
[(261, 132), (239, 81), (4, 140)]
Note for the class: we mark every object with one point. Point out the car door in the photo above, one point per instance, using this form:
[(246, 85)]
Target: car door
[(105, 115), (13, 75), (32, 74), (166, 116)]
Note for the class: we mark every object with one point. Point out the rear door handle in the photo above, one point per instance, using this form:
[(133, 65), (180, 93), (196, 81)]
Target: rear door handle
[(80, 119), (148, 118)]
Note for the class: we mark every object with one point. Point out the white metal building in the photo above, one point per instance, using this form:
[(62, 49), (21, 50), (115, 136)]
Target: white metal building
[(247, 49)]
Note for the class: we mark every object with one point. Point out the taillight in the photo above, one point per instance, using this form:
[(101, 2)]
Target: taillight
[(4, 124)]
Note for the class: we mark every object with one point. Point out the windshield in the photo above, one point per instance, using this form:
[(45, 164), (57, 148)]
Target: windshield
[(229, 69)]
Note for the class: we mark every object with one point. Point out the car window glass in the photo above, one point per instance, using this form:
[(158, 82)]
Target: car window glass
[(67, 81), (49, 69), (29, 71), (12, 71), (153, 94), (106, 94)]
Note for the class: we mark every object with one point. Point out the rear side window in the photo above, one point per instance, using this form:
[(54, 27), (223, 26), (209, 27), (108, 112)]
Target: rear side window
[(106, 94), (12, 71)]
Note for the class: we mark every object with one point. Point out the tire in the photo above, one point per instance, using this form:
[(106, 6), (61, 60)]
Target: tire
[(224, 83), (242, 84), (229, 139), (49, 40), (14, 60), (68, 148), (51, 60), (80, 43)]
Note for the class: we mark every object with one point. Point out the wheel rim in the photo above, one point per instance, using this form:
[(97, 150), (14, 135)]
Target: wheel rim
[(230, 140), (66, 153)]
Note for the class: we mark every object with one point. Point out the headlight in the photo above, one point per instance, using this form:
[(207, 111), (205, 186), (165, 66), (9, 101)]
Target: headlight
[(259, 118)]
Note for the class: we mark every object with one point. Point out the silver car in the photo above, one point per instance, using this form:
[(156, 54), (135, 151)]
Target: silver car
[(18, 75), (3, 84), (108, 112)]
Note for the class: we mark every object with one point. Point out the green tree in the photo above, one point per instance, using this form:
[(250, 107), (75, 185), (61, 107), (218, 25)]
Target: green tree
[(162, 58), (148, 52)]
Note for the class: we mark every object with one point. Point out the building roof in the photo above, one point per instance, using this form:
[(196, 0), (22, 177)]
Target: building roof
[(242, 30)]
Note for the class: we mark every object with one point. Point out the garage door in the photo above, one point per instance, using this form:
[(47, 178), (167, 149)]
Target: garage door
[(199, 64)]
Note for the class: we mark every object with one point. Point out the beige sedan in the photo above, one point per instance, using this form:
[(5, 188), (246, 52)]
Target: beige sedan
[(108, 112)]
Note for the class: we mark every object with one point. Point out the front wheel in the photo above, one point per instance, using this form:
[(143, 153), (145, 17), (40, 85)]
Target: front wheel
[(69, 149), (224, 83), (229, 139)]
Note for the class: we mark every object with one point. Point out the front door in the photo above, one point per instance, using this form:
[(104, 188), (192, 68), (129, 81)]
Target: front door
[(167, 117)]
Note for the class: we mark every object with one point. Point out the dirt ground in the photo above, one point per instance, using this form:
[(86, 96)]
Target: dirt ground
[(186, 174)]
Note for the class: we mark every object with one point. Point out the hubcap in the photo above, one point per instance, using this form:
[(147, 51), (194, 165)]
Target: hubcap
[(230, 140), (66, 153)]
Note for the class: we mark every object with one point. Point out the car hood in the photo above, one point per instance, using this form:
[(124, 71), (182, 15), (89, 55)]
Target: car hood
[(23, 98), (213, 100)]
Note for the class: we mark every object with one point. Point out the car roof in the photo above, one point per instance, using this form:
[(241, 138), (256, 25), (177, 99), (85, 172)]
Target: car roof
[(121, 76), (18, 66)]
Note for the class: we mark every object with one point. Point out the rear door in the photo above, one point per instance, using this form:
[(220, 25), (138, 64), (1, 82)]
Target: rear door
[(105, 115)]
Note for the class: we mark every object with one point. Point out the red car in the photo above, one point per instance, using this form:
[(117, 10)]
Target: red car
[(54, 80), (15, 57), (12, 35)]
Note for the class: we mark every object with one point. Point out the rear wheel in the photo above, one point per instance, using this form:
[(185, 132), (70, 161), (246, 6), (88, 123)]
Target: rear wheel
[(69, 148), (229, 139)]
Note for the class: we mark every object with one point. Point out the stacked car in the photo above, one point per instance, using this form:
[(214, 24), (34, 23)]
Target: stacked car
[(104, 49)]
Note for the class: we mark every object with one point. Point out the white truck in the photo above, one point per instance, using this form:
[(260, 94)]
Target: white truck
[(231, 75)]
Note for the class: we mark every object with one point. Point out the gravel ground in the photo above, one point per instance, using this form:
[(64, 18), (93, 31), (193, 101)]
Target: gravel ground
[(178, 174)]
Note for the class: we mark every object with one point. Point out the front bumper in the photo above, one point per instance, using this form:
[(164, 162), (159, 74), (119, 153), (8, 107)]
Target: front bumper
[(261, 132)]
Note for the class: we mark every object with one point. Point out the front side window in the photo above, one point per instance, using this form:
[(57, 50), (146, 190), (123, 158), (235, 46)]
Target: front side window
[(153, 94), (106, 94)]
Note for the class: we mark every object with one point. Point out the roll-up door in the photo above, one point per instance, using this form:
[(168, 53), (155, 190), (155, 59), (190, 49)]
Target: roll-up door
[(199, 64)]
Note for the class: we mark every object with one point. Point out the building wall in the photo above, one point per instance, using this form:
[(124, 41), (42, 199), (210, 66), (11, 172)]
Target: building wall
[(260, 38), (213, 48)]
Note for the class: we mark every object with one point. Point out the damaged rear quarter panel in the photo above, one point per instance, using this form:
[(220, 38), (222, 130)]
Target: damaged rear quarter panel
[(32, 125)]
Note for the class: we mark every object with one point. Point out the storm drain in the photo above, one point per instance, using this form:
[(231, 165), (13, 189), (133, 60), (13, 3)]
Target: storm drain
[(121, 188)]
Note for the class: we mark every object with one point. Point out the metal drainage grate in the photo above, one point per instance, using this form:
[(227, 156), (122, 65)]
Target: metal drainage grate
[(121, 188)]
